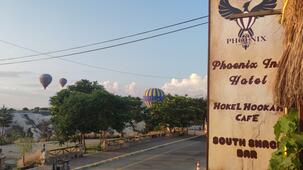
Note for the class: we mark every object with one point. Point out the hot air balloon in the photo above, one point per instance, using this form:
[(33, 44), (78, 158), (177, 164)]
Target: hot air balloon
[(62, 82), (45, 80), (153, 95)]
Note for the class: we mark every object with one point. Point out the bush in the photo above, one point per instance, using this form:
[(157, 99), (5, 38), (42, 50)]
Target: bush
[(14, 133), (290, 143), (4, 141)]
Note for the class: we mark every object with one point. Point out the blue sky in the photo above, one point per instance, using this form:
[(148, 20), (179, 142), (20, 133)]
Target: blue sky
[(58, 24)]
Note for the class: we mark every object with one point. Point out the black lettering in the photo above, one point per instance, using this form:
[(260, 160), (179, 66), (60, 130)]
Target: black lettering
[(235, 140), (234, 80), (215, 140), (253, 154), (217, 106), (247, 106), (242, 142), (221, 140), (265, 144), (246, 154), (228, 141), (258, 143), (273, 144), (239, 153), (251, 143), (238, 117), (255, 118), (216, 64)]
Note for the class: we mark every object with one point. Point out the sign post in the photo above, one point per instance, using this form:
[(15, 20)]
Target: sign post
[(244, 56), (300, 115)]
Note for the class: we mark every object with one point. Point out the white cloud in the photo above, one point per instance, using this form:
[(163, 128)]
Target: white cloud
[(131, 89), (112, 87), (124, 90), (194, 86)]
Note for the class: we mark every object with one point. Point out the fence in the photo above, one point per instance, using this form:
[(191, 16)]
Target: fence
[(2, 159), (116, 143), (106, 145), (64, 153)]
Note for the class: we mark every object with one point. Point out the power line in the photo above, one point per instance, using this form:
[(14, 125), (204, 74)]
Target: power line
[(102, 42), (98, 67), (92, 66), (103, 48), (119, 71)]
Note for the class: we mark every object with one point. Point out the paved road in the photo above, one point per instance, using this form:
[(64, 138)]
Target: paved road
[(178, 156)]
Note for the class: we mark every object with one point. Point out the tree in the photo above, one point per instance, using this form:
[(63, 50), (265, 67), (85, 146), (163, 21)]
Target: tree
[(6, 119), (45, 129), (25, 109), (87, 107), (75, 114), (36, 110), (135, 110), (85, 86), (176, 111)]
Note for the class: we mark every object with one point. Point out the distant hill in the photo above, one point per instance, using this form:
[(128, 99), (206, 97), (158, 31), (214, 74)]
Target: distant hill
[(30, 121)]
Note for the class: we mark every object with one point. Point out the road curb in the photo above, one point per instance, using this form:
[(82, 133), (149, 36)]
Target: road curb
[(130, 154)]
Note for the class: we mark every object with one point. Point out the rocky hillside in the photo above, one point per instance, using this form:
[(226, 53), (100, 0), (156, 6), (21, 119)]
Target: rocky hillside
[(30, 122)]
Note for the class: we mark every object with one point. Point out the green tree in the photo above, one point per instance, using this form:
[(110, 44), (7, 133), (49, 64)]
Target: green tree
[(6, 119), (87, 107), (36, 110), (135, 110), (85, 86), (75, 114), (25, 109), (176, 111)]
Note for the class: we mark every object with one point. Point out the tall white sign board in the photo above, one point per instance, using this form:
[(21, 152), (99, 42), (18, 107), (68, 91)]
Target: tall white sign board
[(243, 60)]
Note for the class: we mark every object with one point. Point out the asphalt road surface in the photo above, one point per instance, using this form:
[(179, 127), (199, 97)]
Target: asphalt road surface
[(178, 156)]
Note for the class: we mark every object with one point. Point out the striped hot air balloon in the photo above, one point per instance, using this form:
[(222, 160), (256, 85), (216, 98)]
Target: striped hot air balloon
[(153, 95)]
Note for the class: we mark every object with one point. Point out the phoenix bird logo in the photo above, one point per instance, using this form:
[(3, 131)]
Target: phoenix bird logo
[(246, 33)]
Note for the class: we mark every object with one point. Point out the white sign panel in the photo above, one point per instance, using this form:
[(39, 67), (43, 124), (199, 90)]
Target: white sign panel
[(243, 61)]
